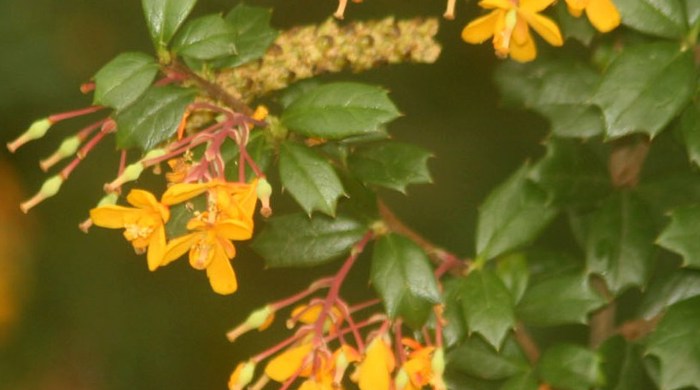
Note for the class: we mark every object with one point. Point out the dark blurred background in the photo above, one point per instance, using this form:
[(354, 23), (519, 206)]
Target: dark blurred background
[(82, 312)]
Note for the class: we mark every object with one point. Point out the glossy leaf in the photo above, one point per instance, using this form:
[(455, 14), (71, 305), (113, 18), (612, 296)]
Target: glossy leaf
[(124, 79), (573, 27), (206, 38), (454, 330), (340, 110), (690, 128), (676, 343), (309, 178), (153, 118), (669, 289), (645, 87), (259, 150), (513, 271), (487, 306), (164, 17), (295, 240), (680, 236), (662, 18), (402, 276), (512, 215), (253, 35), (571, 367), (390, 164), (623, 366), (477, 358)]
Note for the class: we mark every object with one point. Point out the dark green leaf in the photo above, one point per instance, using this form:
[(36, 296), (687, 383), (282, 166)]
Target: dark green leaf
[(690, 128), (181, 213), (309, 178), (487, 306), (676, 343), (454, 331), (512, 215), (681, 236), (164, 17), (340, 110), (294, 240), (559, 300), (513, 271), (669, 289), (645, 87), (573, 120), (663, 18), (571, 367), (391, 164), (297, 90), (206, 38), (620, 242), (153, 118), (259, 150), (670, 191), (253, 35), (526, 381), (477, 358), (573, 27), (124, 79), (402, 276), (457, 380), (623, 367)]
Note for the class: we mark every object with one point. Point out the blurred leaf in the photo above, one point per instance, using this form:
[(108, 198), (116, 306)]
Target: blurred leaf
[(477, 358), (340, 110), (294, 240), (573, 27), (692, 11), (206, 38), (620, 240), (153, 118), (124, 79), (402, 276), (623, 367), (309, 178), (526, 381), (662, 18), (559, 300), (680, 236), (670, 191), (574, 120), (454, 331), (512, 215), (391, 164), (181, 213), (253, 35), (645, 87), (690, 128), (487, 306), (164, 17), (513, 271), (676, 343), (667, 290), (571, 367)]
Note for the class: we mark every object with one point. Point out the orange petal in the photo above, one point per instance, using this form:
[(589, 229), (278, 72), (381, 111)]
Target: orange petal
[(491, 4), (178, 193), (156, 248), (524, 52), (234, 230), (374, 371), (221, 275), (112, 216), (535, 5), (576, 7), (141, 199), (603, 15), (178, 247), (545, 27), (286, 364), (481, 28)]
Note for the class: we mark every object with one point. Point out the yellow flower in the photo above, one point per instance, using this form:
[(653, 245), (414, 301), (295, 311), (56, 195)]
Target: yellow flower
[(143, 223), (374, 371), (289, 362), (235, 200), (509, 24), (418, 366), (603, 14)]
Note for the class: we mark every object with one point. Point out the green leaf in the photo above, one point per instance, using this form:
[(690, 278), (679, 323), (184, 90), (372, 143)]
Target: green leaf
[(124, 79), (512, 215), (340, 110), (181, 213), (310, 179), (692, 11), (153, 118), (526, 381), (689, 126), (623, 366), (680, 236), (454, 330), (477, 358), (573, 27), (645, 87), (259, 150), (402, 276), (487, 306), (573, 120), (571, 367), (513, 271), (667, 290), (559, 300), (206, 38), (253, 35), (391, 164), (164, 17), (676, 343), (662, 18), (294, 240)]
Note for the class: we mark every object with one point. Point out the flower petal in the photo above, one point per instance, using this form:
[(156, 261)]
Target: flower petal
[(112, 216), (178, 247), (156, 248), (286, 364), (375, 370), (179, 193), (141, 199), (603, 15), (524, 52), (221, 275), (234, 229), (481, 29), (576, 7), (491, 4), (535, 5), (545, 27)]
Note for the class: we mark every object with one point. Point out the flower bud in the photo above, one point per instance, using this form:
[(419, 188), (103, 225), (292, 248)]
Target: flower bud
[(260, 319), (67, 148), (37, 130), (438, 368), (264, 192), (48, 189), (242, 375)]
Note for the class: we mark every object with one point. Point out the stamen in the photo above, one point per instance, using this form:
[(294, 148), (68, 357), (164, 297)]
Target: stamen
[(340, 12), (450, 10)]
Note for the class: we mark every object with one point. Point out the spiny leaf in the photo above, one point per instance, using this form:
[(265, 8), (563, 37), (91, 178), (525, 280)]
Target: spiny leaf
[(669, 289), (623, 366), (662, 18), (572, 367), (680, 236), (513, 271), (391, 164), (477, 358), (690, 128), (253, 35), (487, 306), (164, 17), (124, 79), (206, 38)]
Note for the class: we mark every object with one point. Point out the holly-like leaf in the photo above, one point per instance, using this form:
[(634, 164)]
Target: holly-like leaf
[(524, 381), (559, 300), (391, 164), (206, 38), (124, 79), (579, 120), (164, 17), (454, 330), (340, 110), (573, 27), (477, 358), (259, 150), (402, 276), (181, 213), (153, 118), (571, 367), (487, 306), (253, 35), (512, 215), (645, 87), (662, 18), (680, 236), (295, 240), (619, 245), (690, 128), (676, 343), (669, 289), (623, 366), (309, 178), (513, 271)]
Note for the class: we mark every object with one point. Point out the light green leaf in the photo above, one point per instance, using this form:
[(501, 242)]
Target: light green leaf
[(487, 306), (571, 367), (390, 164), (669, 289), (402, 276), (690, 128), (680, 236), (662, 18), (124, 79), (153, 118), (206, 38), (340, 110), (676, 343), (295, 240), (512, 215), (623, 367), (164, 17), (645, 87), (309, 178), (253, 35), (513, 271), (477, 358), (692, 11)]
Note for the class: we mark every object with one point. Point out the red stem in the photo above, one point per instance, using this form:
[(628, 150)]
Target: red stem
[(72, 114)]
